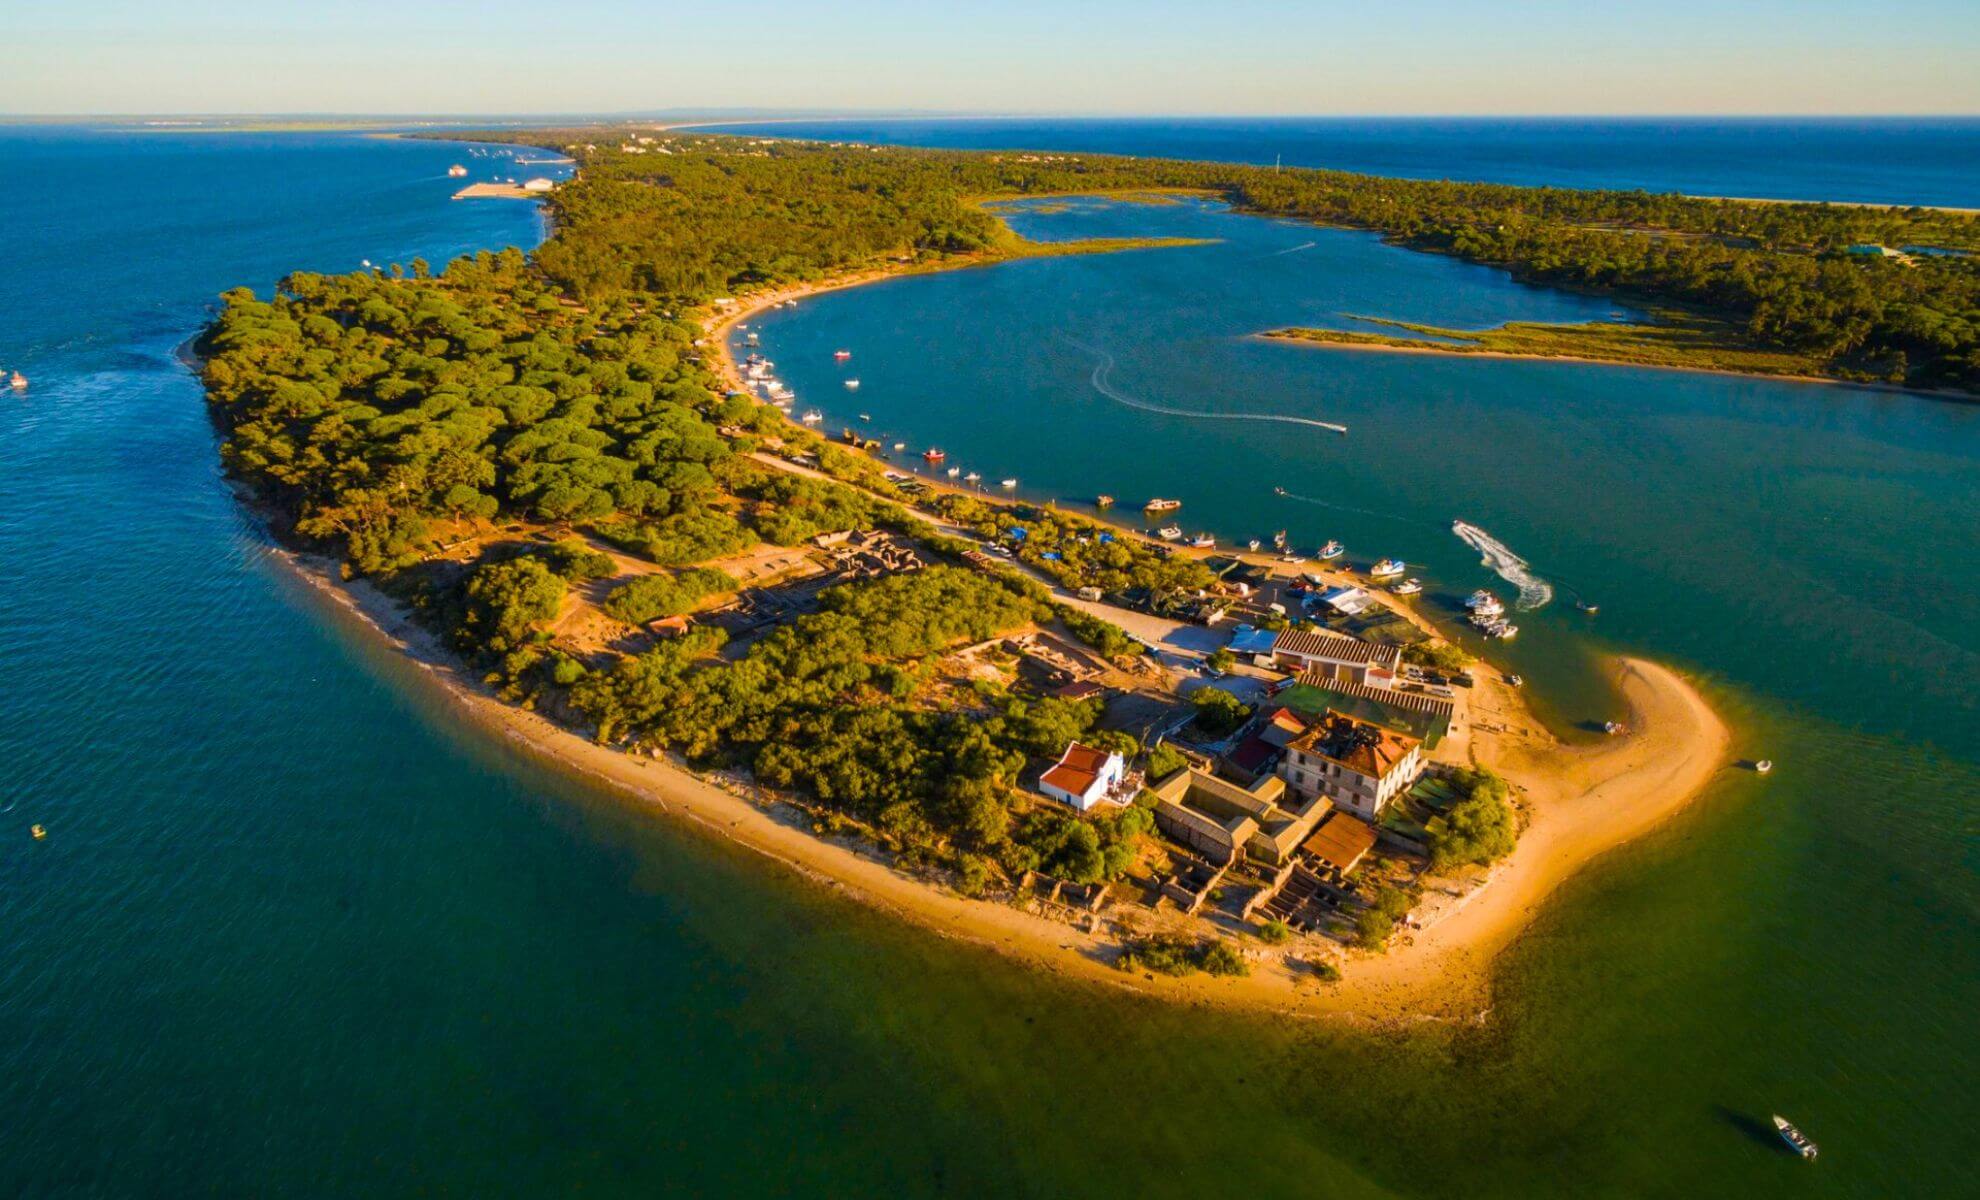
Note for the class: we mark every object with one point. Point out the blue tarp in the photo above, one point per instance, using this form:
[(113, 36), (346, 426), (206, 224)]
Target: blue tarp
[(1017, 532)]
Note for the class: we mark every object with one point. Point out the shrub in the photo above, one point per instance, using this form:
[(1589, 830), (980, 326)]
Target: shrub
[(1373, 928), (1440, 656), (1274, 932), (1218, 712), (647, 597), (1164, 761), (1478, 829), (1223, 960)]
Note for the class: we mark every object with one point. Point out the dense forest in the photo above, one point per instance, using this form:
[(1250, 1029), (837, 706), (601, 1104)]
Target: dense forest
[(692, 217), (469, 440)]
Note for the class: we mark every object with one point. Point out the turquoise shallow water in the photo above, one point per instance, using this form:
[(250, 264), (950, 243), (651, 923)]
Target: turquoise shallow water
[(296, 932)]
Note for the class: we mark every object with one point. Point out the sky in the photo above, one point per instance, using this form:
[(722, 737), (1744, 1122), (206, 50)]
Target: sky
[(1101, 57)]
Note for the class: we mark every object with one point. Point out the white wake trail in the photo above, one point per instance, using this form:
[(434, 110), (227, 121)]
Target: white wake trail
[(1105, 369), (1534, 591)]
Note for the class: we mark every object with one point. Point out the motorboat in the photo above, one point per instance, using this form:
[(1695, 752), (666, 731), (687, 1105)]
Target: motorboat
[(933, 455), (1331, 551), (1010, 483), (954, 471), (1159, 505), (1484, 604), (1797, 1141), (1408, 587), (1515, 681), (17, 381), (1203, 541), (813, 417), (972, 477), (1103, 501), (842, 355), (1169, 533), (1253, 544), (852, 385), (1387, 568), (1279, 540), (1764, 765), (899, 446)]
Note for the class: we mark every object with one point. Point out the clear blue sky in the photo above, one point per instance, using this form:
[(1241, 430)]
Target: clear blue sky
[(1062, 56)]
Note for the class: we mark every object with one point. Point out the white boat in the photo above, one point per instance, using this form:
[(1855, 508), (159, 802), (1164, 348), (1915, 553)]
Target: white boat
[(1279, 540), (1169, 533), (899, 446), (1408, 587), (972, 477), (1614, 729), (1764, 765), (1332, 550), (1010, 483), (1159, 505), (1797, 1141), (17, 381), (1387, 568), (954, 471), (1515, 681), (1253, 544), (866, 416), (1484, 604), (813, 417), (1203, 541), (852, 385)]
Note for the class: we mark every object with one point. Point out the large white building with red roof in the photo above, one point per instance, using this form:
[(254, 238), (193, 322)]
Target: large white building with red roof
[(1085, 777)]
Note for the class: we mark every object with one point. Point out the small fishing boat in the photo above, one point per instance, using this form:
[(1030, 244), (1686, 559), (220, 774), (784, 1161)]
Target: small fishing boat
[(842, 355), (1159, 505), (1103, 501), (1253, 544), (972, 477), (753, 338), (1203, 541), (1169, 533), (933, 455), (899, 446), (1408, 587), (1010, 483), (1387, 568), (1515, 681), (1764, 765), (1331, 551), (866, 416), (1483, 604), (813, 417), (1614, 728), (1797, 1141), (17, 381), (1279, 540), (852, 385), (38, 832), (954, 471)]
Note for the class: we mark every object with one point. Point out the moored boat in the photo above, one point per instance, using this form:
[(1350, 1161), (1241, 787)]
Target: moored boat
[(1387, 568), (954, 471), (1103, 500), (1169, 533), (813, 417), (842, 355), (852, 385), (1408, 587), (17, 381), (1010, 483), (1159, 505), (1797, 1141), (1764, 765), (1332, 550), (1484, 604), (972, 477), (1253, 544), (933, 454), (1203, 541)]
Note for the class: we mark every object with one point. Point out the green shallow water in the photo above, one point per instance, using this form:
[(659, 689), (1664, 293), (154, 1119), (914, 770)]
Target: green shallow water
[(297, 932)]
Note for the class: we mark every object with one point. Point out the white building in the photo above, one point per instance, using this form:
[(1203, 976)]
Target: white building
[(1357, 765), (538, 184), (1084, 777)]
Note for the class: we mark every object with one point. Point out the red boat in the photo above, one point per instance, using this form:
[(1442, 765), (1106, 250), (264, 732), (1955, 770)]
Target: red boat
[(934, 456), (842, 355)]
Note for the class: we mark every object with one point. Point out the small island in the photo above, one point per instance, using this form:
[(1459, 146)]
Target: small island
[(1230, 777)]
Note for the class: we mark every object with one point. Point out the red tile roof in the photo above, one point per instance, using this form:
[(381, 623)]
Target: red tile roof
[(1076, 769), (1360, 746), (1341, 841)]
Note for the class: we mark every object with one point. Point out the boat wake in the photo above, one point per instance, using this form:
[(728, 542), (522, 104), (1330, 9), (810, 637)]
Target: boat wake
[(1290, 250), (1101, 384), (1366, 512), (1534, 592)]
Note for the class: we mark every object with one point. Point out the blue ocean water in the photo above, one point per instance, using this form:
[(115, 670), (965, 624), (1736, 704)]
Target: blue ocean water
[(1932, 161)]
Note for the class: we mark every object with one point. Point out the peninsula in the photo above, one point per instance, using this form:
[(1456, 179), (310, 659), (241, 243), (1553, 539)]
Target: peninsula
[(549, 480)]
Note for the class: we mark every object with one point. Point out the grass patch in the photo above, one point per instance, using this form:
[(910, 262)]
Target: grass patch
[(1674, 339)]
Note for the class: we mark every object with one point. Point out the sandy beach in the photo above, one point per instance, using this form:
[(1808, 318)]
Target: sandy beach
[(1581, 803)]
